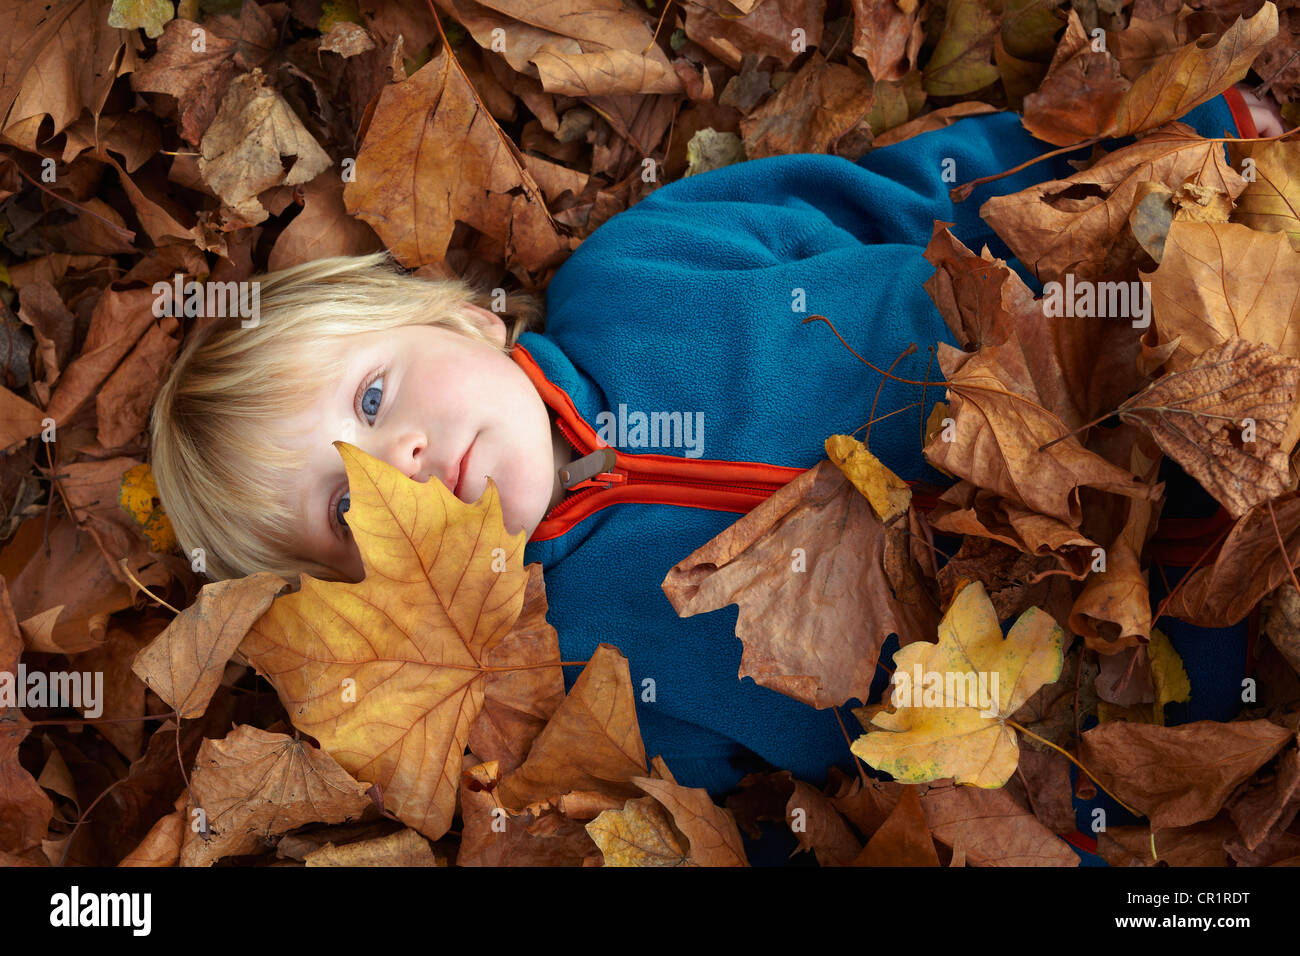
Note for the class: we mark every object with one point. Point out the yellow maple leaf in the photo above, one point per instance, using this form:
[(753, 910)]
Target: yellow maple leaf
[(388, 673), (953, 699)]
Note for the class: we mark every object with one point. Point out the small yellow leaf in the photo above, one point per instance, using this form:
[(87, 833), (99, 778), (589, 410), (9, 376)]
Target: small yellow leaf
[(147, 14), (888, 494), (139, 498), (1167, 673), (953, 698)]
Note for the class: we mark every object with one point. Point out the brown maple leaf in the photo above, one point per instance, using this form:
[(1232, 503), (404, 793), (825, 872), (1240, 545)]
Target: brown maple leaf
[(253, 786), (459, 167), (1077, 225), (903, 839), (1181, 775), (821, 650), (591, 743), (1006, 441), (989, 828), (1249, 565), (1086, 93)]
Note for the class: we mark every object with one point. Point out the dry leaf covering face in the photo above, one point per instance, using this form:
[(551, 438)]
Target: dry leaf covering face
[(389, 677)]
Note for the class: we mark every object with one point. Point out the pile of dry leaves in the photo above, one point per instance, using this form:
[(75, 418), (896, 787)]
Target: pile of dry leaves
[(141, 138)]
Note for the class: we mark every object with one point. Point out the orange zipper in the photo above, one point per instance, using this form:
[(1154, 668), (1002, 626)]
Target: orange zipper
[(646, 478)]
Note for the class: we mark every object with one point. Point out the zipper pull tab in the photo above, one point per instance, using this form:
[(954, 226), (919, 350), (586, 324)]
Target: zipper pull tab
[(578, 473)]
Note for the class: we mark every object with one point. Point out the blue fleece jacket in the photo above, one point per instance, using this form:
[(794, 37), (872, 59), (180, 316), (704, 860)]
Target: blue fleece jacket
[(692, 301)]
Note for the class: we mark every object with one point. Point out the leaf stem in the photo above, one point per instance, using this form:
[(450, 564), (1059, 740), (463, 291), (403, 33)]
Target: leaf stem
[(1066, 754), (905, 381)]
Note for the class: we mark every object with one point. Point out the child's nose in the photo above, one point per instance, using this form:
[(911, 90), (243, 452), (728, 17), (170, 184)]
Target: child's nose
[(407, 451)]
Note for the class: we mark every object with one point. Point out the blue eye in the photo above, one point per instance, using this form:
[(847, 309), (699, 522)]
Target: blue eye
[(343, 505), (370, 406)]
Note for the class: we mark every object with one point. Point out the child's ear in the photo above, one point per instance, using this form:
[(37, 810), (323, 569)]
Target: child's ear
[(489, 322)]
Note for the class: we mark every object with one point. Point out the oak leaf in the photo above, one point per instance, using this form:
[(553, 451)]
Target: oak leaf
[(947, 733)]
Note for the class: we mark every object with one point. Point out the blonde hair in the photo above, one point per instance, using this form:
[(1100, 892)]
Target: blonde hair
[(217, 432)]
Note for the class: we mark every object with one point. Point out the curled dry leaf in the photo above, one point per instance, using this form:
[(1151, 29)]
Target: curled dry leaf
[(641, 834), (824, 658), (242, 149), (890, 496), (25, 809), (1086, 92), (903, 839), (591, 742), (671, 826), (460, 167), (888, 36), (1113, 611), (185, 663), (404, 848), (818, 826), (1229, 419), (492, 836), (1053, 233), (1249, 565), (952, 698), (960, 63), (1006, 441)]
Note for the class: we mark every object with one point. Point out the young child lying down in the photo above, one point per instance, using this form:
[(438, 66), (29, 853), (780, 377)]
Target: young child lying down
[(687, 308)]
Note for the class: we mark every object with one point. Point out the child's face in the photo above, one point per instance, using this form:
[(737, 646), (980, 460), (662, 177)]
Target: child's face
[(420, 397)]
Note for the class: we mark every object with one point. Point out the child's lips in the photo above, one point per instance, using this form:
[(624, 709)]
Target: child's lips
[(460, 471)]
